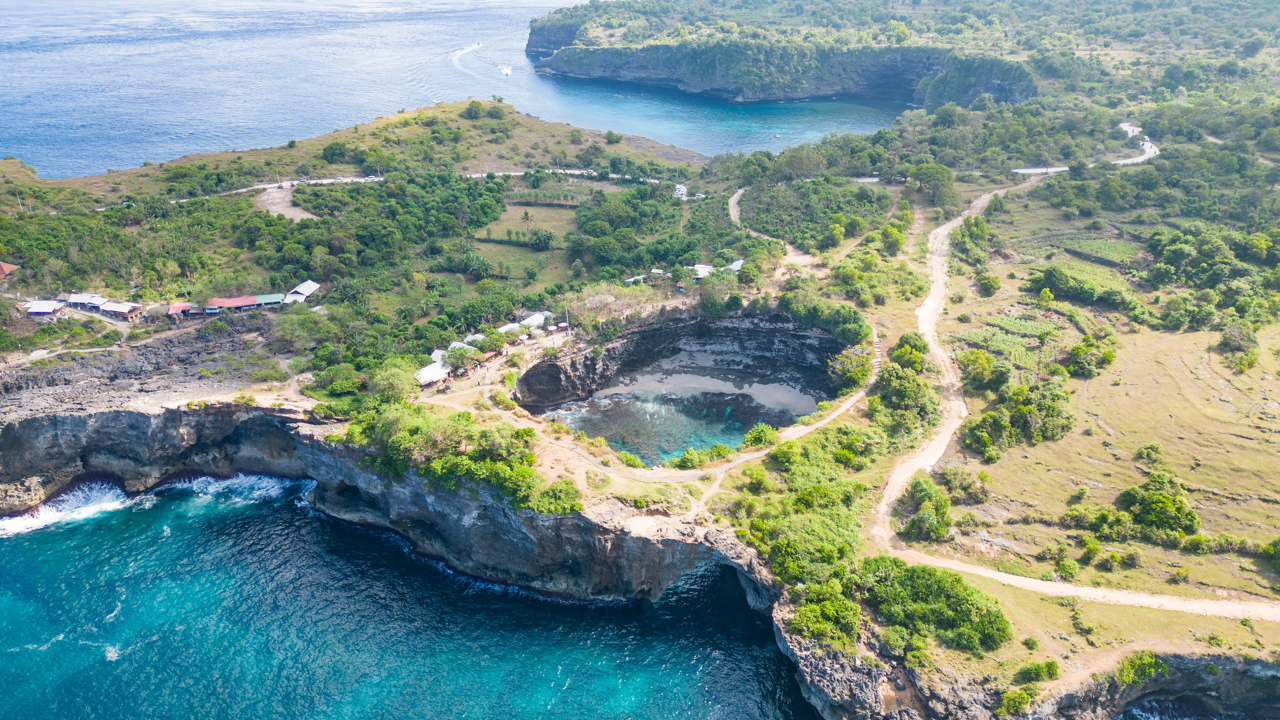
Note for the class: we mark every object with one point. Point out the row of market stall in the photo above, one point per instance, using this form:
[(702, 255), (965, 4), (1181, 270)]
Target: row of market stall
[(245, 303), (50, 310)]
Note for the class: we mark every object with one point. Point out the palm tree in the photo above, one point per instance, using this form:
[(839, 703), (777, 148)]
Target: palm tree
[(526, 219)]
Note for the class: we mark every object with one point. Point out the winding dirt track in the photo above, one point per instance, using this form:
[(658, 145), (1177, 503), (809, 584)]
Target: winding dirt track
[(954, 409)]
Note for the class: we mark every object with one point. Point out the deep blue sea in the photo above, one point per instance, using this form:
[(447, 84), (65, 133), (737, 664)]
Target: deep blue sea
[(234, 599), (89, 85)]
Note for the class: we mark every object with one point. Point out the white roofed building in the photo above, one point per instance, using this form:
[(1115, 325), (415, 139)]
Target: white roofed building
[(509, 328), (44, 310), (535, 320), (304, 290)]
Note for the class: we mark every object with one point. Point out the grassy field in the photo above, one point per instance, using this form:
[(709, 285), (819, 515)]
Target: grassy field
[(532, 142), (1218, 430)]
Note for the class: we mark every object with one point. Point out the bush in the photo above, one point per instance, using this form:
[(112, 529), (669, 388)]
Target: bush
[(851, 368), (931, 521), (245, 399), (502, 400), (826, 613), (1140, 667), (931, 601), (630, 460), (1031, 643), (1068, 568), (1016, 702), (761, 436), (1272, 550), (1038, 672), (560, 498), (273, 374), (988, 284)]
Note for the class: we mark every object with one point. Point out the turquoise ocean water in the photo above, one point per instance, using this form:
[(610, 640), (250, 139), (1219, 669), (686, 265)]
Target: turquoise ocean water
[(234, 599), (95, 84)]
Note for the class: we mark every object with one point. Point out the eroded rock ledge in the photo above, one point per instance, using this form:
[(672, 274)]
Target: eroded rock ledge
[(771, 344), (609, 551)]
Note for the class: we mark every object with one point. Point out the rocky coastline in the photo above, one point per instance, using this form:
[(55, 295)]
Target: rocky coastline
[(609, 551), (920, 75)]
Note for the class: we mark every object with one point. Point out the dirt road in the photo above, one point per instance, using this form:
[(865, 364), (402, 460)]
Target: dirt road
[(954, 412)]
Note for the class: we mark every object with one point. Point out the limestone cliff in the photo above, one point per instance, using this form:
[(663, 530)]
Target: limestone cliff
[(774, 341), (747, 71), (608, 551)]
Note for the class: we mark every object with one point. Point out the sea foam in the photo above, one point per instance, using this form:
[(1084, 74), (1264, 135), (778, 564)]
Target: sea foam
[(80, 503)]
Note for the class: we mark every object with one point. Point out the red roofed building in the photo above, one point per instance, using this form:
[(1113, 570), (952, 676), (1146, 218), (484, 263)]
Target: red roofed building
[(6, 270), (213, 306)]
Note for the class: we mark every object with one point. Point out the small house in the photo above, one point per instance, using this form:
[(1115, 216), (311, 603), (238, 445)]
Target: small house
[(7, 269), (304, 290), (127, 311), (271, 300), (44, 310), (634, 280), (509, 328), (177, 310)]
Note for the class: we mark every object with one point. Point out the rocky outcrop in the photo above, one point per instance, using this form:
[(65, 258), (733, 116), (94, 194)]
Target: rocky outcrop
[(772, 344), (745, 71), (1227, 685), (162, 370)]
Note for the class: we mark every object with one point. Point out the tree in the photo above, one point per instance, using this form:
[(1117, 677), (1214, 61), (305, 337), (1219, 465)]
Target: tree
[(1046, 298), (851, 368), (947, 116), (526, 218), (988, 284), (394, 381), (461, 357), (937, 178), (612, 138), (473, 111)]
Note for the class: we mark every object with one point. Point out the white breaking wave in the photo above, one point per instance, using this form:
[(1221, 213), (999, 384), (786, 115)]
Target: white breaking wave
[(249, 488), (83, 502), (506, 69)]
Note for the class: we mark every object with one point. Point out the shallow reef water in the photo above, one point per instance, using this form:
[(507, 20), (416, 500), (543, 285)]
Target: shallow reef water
[(691, 400), (234, 599)]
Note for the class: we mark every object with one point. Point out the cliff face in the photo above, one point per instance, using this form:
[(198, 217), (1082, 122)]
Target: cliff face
[(770, 343), (608, 551), (746, 71)]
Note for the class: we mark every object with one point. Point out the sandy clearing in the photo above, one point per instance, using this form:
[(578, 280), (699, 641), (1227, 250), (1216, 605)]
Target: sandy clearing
[(279, 201)]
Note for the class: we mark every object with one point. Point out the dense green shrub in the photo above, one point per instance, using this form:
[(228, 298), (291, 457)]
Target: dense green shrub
[(630, 460), (930, 511), (1039, 671), (1140, 667), (1023, 415), (932, 601), (761, 436), (825, 612), (1016, 701)]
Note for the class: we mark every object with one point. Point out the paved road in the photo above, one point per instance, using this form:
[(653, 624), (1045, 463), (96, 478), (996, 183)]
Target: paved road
[(1149, 150)]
